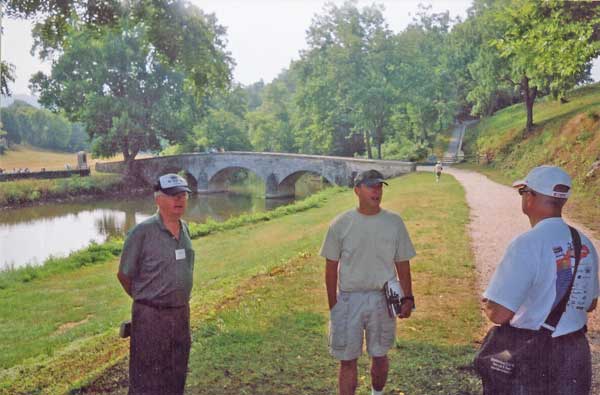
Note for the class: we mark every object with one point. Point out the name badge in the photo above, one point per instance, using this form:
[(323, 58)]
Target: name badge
[(180, 254)]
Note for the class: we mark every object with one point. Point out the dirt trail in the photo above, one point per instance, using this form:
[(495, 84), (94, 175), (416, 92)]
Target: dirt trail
[(496, 219)]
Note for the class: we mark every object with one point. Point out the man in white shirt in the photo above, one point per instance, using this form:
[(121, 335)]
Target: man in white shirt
[(364, 248), (534, 275)]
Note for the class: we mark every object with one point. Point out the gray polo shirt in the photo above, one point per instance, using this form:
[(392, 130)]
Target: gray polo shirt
[(160, 266)]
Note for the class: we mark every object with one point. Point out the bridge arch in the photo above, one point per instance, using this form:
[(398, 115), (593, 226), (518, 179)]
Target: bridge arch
[(287, 186), (220, 180)]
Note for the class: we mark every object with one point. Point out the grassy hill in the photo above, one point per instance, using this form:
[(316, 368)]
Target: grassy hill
[(566, 135)]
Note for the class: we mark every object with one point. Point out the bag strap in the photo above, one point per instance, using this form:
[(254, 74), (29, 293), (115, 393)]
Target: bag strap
[(560, 308)]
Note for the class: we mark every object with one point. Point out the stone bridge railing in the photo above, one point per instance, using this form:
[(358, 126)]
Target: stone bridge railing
[(210, 172)]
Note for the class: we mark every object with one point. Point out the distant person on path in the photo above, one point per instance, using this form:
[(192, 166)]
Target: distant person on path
[(156, 270), (363, 249), (438, 170), (535, 273)]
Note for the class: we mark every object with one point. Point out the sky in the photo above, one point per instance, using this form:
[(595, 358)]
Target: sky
[(263, 35)]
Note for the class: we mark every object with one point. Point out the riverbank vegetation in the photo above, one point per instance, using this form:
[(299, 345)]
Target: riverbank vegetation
[(101, 253), (257, 287), (18, 193), (566, 135)]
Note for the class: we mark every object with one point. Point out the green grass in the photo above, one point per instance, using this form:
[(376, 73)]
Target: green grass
[(566, 135), (14, 193), (272, 337), (258, 309)]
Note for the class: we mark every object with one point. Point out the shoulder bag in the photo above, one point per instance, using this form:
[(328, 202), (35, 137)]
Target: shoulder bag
[(510, 354)]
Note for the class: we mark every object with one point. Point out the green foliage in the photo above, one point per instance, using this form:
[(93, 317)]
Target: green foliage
[(13, 193), (115, 84), (7, 74), (43, 129)]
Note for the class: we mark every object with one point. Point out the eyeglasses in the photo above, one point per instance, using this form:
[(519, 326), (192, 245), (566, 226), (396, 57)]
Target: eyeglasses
[(523, 191)]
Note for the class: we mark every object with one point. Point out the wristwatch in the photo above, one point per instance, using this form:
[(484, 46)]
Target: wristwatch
[(411, 297)]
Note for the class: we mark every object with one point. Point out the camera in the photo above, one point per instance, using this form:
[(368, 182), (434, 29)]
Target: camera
[(125, 329), (393, 296)]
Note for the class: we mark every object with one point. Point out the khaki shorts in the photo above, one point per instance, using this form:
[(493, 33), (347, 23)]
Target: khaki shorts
[(355, 315)]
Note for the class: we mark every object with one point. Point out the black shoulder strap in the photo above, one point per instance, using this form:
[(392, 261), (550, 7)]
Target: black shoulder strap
[(560, 308)]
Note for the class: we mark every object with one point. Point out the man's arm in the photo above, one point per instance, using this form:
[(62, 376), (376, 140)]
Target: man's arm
[(403, 270), (497, 313), (331, 278), (125, 282)]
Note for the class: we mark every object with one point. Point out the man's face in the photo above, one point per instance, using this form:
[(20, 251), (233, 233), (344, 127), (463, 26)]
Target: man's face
[(369, 195), (172, 206)]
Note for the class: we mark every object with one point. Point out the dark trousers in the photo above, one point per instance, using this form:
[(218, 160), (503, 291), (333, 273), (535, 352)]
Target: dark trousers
[(159, 350), (571, 370)]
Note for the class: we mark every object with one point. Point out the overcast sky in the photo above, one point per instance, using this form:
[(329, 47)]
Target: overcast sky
[(263, 35)]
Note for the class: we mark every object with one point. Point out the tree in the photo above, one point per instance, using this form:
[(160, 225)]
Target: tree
[(339, 74), (182, 35), (548, 45), (114, 82), (7, 73)]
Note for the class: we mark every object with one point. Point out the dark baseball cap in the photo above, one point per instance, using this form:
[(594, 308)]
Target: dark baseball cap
[(171, 184), (369, 178)]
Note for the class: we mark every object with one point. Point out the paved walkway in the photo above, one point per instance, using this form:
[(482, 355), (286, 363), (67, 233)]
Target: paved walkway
[(496, 218)]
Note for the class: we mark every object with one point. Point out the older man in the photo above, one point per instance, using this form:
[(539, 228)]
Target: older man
[(156, 271), (535, 274), (365, 248)]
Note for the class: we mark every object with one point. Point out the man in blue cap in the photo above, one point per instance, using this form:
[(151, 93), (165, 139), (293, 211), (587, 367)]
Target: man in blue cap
[(156, 270)]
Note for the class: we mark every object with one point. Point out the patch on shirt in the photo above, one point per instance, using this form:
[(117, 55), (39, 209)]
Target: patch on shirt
[(563, 271)]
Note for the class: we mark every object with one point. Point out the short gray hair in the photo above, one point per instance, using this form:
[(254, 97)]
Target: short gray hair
[(159, 193)]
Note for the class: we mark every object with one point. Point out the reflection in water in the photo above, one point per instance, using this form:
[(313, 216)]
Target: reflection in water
[(30, 235)]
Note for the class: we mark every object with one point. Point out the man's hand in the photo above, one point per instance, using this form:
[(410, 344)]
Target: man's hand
[(406, 308)]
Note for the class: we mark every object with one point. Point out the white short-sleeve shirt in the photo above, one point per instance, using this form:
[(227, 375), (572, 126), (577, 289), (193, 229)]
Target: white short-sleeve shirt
[(367, 247), (535, 272)]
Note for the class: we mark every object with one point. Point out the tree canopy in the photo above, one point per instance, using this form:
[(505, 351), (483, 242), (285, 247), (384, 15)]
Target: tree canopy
[(145, 74)]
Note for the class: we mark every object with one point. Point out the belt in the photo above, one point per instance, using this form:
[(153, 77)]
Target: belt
[(577, 333), (157, 306)]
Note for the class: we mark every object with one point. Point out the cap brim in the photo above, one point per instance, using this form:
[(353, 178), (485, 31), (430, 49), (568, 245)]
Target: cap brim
[(176, 190), (374, 181), (519, 184)]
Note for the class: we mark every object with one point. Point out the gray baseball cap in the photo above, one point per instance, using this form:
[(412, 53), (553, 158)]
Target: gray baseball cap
[(369, 178), (171, 184)]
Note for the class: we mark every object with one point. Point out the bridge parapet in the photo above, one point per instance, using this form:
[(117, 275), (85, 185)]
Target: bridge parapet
[(209, 172)]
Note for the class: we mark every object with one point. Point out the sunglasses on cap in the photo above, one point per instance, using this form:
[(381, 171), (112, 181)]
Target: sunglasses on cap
[(523, 191)]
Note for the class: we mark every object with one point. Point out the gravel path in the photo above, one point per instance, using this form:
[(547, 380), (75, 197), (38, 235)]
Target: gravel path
[(496, 218)]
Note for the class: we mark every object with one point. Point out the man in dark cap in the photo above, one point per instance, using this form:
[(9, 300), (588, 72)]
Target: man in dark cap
[(365, 249), (156, 270)]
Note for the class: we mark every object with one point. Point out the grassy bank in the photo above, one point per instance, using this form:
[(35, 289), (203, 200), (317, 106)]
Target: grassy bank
[(14, 193), (101, 253), (567, 135), (257, 287)]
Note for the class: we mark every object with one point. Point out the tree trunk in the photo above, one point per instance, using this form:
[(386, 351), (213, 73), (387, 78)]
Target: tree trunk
[(368, 144), (529, 95)]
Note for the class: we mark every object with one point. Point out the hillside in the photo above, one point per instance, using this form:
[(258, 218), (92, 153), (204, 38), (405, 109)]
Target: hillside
[(566, 135)]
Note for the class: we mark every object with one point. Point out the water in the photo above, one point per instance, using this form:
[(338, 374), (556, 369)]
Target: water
[(30, 235)]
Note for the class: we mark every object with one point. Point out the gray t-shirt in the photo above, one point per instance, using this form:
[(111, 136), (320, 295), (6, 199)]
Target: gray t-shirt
[(367, 247), (160, 266)]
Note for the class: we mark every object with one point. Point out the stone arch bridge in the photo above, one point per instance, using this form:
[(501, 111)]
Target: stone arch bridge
[(210, 172)]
